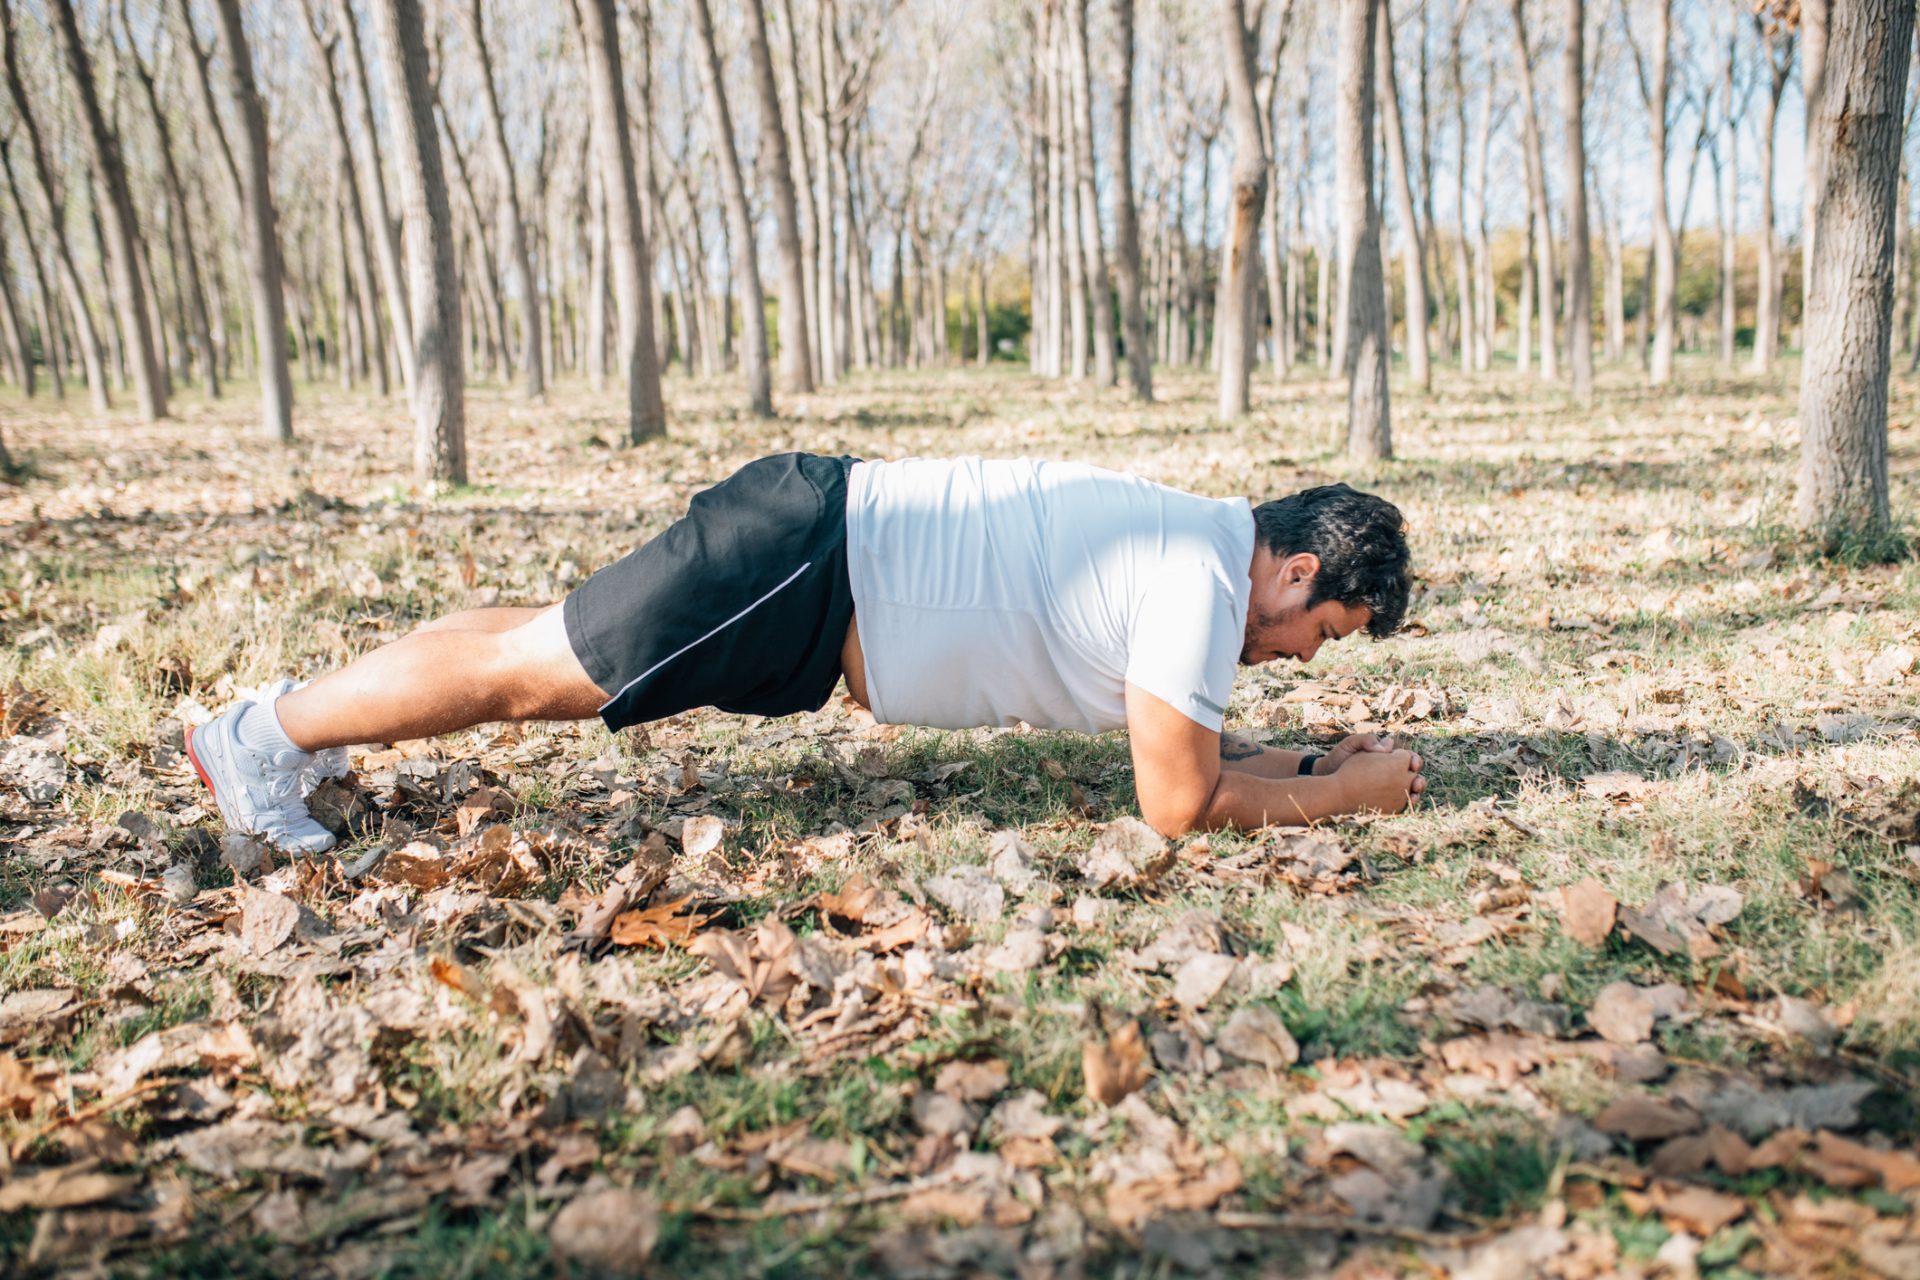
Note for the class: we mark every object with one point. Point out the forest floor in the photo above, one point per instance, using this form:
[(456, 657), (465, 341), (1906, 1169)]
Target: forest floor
[(1636, 990)]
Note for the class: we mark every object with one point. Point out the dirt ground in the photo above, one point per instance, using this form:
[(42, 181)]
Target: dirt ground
[(1636, 990)]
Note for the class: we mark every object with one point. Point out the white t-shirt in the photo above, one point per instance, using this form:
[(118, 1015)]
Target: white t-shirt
[(989, 592)]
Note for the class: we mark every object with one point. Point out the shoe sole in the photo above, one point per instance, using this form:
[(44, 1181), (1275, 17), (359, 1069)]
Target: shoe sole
[(200, 769)]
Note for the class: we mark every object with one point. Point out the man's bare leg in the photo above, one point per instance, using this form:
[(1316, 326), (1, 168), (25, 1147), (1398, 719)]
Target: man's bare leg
[(465, 669)]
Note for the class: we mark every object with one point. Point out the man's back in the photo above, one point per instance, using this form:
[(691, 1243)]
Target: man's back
[(993, 591)]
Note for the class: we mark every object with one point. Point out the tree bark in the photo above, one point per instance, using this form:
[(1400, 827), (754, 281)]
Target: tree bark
[(195, 290), (519, 256), (439, 398), (1843, 383), (1369, 426), (745, 254), (1092, 245), (1482, 249), (122, 227), (393, 277), (796, 359), (262, 235), (1538, 213), (15, 329), (1778, 47), (1462, 275), (1815, 16), (1126, 219), (646, 416), (1413, 247), (1654, 85), (1234, 314), (1579, 245)]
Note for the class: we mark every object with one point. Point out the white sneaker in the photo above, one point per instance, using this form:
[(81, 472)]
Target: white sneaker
[(331, 762), (258, 793)]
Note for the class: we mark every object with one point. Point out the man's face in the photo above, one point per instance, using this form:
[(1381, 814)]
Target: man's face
[(1281, 625)]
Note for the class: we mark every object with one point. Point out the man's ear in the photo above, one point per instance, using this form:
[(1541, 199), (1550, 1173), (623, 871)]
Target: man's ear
[(1299, 569)]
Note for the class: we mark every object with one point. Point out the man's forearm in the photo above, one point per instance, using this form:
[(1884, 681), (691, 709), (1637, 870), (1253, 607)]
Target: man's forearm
[(1241, 755), (1247, 801)]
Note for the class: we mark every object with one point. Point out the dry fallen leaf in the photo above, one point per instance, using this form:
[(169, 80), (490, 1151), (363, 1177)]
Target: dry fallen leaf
[(1898, 1171), (1691, 1207), (458, 977), (701, 835), (1115, 1067), (659, 926), (1622, 1013), (62, 1187), (1588, 910), (1640, 1117), (1255, 1034), (606, 1233)]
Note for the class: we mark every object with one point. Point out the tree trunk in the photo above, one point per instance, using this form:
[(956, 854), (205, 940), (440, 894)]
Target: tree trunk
[(827, 207), (796, 359), (1080, 96), (1126, 220), (646, 416), (50, 347), (1538, 213), (122, 227), (176, 190), (519, 257), (1235, 314), (393, 275), (491, 332), (1369, 426), (804, 163), (1462, 275), (15, 330), (1412, 243), (1654, 89), (1579, 245), (1778, 48), (439, 403), (1482, 249), (262, 235), (745, 254), (596, 299), (1815, 17), (1056, 201), (1843, 384)]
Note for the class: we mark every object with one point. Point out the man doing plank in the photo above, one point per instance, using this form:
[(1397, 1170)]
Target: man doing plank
[(949, 593)]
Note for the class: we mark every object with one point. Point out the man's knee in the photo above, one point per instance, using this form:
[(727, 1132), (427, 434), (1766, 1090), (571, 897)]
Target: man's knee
[(537, 675)]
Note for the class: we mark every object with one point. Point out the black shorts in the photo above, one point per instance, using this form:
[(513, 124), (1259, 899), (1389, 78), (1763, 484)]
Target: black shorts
[(742, 604)]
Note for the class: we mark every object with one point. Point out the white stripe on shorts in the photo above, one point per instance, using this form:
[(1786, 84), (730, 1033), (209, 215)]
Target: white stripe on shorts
[(710, 635)]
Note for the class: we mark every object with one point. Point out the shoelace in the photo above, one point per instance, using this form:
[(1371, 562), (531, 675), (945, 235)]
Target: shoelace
[(283, 773)]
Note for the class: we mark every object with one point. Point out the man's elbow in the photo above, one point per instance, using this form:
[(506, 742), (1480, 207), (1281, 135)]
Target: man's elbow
[(1176, 816)]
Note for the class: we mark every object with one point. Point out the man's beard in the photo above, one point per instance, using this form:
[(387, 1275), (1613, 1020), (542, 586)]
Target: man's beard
[(1259, 623)]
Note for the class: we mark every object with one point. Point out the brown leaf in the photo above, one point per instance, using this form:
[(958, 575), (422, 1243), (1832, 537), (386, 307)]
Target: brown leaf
[(1588, 910), (1639, 1117), (1173, 1192), (971, 1081), (267, 920), (1691, 1207), (416, 863), (457, 976), (660, 926), (1683, 1157), (1899, 1171), (1255, 1034), (961, 1206), (610, 1232), (1622, 1013), (481, 805), (1127, 854), (632, 883), (1115, 1067), (18, 1090), (62, 1187), (701, 835)]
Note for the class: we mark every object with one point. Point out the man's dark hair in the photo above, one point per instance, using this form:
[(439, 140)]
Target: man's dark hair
[(1361, 541)]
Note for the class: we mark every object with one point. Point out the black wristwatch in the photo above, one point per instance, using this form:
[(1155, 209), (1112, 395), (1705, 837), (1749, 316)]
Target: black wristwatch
[(1307, 763)]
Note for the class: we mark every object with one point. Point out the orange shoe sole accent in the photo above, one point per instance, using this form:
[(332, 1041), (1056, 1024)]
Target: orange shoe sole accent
[(196, 765)]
